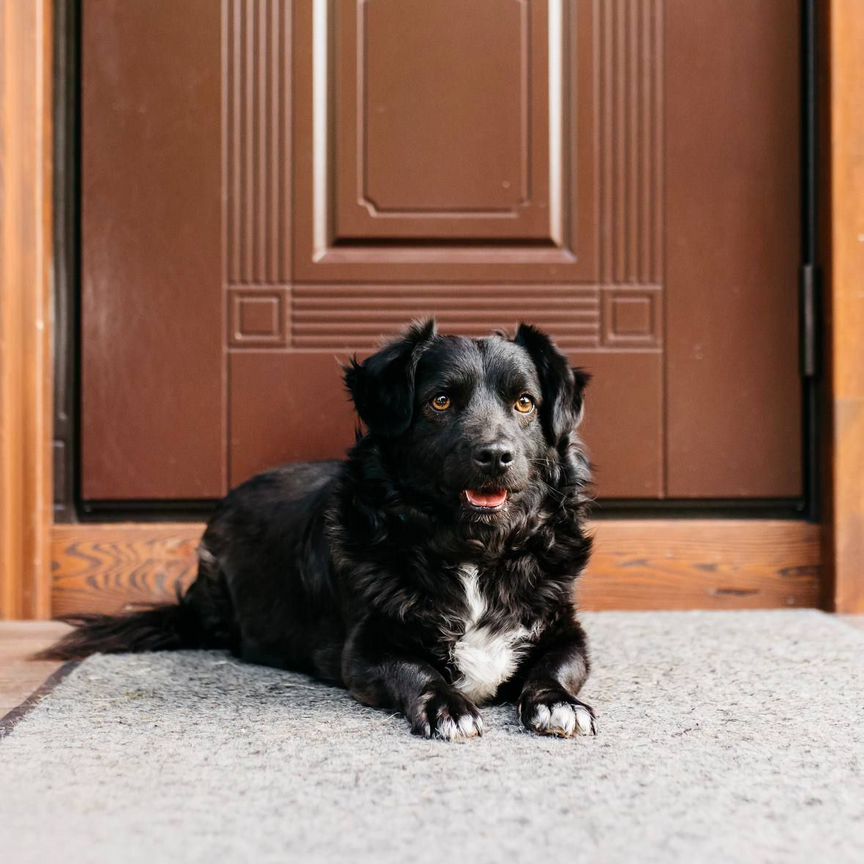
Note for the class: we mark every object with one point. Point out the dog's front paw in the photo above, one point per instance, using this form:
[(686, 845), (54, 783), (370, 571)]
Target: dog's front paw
[(556, 712), (445, 714)]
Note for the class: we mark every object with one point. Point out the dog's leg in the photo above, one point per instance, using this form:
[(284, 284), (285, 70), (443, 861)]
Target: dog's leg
[(555, 674), (379, 673)]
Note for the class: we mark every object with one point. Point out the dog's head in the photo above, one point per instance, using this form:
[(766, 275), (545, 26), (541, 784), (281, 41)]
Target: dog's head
[(473, 423)]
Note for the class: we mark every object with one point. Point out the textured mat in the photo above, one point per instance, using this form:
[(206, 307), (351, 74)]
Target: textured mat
[(722, 737)]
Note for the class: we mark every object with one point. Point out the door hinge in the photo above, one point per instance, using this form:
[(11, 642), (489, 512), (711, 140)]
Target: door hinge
[(809, 320)]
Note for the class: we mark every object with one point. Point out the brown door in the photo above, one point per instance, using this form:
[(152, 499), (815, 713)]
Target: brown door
[(269, 186)]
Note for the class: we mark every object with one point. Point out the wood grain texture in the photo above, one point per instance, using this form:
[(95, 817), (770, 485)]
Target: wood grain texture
[(689, 564), (703, 564), (846, 306), (107, 568), (25, 308)]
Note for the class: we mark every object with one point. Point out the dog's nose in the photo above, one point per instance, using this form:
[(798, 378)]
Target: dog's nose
[(493, 456)]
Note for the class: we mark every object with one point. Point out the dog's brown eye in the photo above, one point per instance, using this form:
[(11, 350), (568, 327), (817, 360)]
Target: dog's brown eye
[(441, 402), (524, 404)]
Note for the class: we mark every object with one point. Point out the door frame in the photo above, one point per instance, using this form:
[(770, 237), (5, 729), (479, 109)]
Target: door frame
[(659, 563), (26, 268), (843, 418)]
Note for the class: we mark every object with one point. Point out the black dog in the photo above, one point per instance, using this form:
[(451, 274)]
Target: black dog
[(431, 571)]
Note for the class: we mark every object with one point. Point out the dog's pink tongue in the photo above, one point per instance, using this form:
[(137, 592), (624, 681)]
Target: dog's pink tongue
[(489, 498)]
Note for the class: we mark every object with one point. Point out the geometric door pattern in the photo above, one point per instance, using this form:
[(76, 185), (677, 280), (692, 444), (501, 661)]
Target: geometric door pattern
[(269, 186)]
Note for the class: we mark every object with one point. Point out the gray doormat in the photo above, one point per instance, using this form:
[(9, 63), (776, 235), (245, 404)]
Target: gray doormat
[(722, 737)]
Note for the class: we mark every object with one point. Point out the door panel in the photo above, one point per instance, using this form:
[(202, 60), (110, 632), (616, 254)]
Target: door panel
[(462, 153), (732, 193), (622, 174), (387, 95), (290, 405), (286, 407), (153, 410)]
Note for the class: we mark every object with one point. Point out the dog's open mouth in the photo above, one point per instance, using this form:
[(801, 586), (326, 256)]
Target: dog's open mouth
[(486, 499)]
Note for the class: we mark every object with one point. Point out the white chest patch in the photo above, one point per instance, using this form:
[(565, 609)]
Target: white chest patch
[(484, 658)]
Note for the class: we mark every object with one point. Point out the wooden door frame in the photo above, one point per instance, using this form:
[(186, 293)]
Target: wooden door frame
[(844, 498), (661, 563), (26, 267)]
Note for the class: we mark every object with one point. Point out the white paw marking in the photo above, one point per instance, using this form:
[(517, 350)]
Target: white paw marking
[(564, 720), (453, 730)]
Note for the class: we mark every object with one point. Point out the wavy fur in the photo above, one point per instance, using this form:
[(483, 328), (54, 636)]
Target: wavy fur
[(352, 571)]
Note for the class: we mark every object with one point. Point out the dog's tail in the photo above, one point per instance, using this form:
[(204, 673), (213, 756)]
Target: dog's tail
[(201, 617), (158, 628)]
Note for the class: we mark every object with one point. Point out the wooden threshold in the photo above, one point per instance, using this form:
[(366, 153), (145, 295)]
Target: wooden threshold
[(637, 564)]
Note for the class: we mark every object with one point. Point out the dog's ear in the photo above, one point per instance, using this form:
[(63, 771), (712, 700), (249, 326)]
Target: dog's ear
[(563, 387), (382, 387)]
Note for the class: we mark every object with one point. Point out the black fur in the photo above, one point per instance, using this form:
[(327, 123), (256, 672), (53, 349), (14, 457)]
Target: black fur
[(354, 572)]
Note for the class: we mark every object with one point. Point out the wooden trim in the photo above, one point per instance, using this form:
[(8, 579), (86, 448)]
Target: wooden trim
[(703, 564), (25, 307), (108, 567), (845, 505), (639, 564)]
